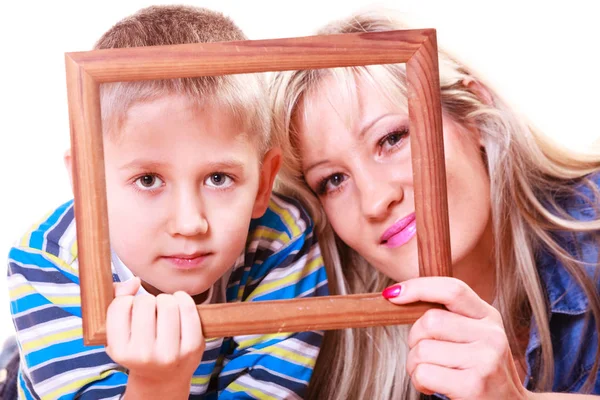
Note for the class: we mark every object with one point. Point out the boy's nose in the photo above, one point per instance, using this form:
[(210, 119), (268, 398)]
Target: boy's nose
[(188, 218)]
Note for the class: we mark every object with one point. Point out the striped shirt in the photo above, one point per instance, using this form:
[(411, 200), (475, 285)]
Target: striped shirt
[(282, 260)]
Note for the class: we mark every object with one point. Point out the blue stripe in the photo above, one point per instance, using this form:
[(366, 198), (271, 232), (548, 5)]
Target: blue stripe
[(322, 290), (286, 257), (50, 234), (41, 316), (22, 256), (211, 354), (312, 338), (25, 385), (36, 300), (64, 365), (33, 274), (265, 376), (117, 380), (270, 220), (53, 237), (76, 311), (28, 302), (207, 396), (36, 240), (294, 290), (65, 349), (270, 362), (299, 207)]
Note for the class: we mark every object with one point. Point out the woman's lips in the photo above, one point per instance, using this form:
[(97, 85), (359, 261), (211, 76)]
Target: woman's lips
[(400, 232)]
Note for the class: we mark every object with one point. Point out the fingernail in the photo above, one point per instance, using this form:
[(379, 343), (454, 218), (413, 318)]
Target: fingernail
[(392, 291)]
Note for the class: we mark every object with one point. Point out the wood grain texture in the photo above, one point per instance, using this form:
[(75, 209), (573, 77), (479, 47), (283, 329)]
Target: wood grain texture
[(428, 161), (190, 60), (86, 70), (89, 189), (299, 315)]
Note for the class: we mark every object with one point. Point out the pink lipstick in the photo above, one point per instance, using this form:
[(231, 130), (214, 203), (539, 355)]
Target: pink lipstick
[(400, 232)]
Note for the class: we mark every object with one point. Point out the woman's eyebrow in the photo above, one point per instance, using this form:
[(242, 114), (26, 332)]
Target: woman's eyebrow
[(315, 164), (368, 125)]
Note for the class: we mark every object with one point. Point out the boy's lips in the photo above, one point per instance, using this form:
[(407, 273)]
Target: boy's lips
[(187, 261), (400, 232)]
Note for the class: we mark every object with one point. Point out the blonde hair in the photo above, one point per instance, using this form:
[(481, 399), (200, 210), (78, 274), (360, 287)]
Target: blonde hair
[(243, 95), (526, 172)]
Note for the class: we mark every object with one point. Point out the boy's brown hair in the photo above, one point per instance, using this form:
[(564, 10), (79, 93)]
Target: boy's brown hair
[(244, 95)]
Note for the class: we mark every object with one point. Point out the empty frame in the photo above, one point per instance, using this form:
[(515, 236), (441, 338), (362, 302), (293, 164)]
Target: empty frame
[(416, 48)]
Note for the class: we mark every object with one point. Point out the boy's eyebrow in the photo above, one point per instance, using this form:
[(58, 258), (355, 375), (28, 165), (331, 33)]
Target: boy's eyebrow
[(152, 164), (141, 163), (226, 164)]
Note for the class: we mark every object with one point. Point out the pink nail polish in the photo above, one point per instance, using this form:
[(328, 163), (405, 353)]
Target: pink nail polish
[(392, 291)]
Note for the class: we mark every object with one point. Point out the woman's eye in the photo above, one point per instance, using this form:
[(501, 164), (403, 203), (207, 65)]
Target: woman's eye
[(149, 182), (331, 183), (219, 180), (336, 180), (392, 139)]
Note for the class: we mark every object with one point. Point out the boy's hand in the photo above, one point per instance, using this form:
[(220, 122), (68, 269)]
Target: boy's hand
[(159, 339)]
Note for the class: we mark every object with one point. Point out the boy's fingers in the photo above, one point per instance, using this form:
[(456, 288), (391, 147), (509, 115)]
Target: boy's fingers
[(118, 325), (143, 325), (127, 288), (192, 339), (167, 327)]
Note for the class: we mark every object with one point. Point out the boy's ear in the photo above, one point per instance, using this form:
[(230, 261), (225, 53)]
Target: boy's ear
[(268, 171), (69, 166)]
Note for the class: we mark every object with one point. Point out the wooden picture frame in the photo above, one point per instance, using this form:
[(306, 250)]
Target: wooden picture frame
[(417, 48)]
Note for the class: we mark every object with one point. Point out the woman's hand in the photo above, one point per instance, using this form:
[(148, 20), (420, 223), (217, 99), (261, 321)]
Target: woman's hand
[(461, 352), (158, 339)]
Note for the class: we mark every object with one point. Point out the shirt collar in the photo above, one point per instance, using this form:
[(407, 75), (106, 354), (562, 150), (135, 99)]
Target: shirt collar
[(124, 274), (565, 296)]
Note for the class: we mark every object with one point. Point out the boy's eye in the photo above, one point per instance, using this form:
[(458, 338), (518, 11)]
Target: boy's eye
[(149, 182), (219, 180)]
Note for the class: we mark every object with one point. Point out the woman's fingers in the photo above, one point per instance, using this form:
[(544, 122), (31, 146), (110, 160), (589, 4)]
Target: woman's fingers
[(475, 355), (443, 354), (456, 295), (454, 383), (447, 326)]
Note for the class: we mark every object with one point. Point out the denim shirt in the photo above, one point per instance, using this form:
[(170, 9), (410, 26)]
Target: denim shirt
[(574, 342)]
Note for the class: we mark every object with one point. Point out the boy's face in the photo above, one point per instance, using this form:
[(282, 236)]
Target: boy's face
[(183, 183)]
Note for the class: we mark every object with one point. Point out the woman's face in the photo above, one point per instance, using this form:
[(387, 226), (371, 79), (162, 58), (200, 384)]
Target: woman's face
[(356, 157)]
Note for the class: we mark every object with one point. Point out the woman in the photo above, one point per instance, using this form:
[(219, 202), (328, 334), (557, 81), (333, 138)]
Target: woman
[(524, 224)]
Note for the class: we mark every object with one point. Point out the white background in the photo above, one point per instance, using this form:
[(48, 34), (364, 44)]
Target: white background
[(543, 58)]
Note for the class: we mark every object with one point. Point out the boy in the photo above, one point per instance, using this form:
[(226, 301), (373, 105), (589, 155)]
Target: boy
[(189, 175)]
